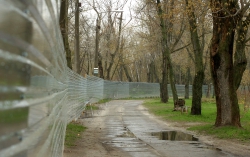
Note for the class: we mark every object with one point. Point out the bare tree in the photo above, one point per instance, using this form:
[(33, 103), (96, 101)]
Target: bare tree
[(198, 60)]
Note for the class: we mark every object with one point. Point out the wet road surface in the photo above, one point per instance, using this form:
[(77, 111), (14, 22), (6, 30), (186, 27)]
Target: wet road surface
[(127, 126)]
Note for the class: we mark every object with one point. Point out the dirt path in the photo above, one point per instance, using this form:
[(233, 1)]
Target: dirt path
[(91, 142), (122, 128)]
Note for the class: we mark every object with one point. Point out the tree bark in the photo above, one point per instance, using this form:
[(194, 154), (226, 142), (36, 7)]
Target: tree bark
[(156, 77), (64, 30), (120, 73), (100, 67), (172, 79), (221, 62), (152, 74), (198, 60), (97, 40), (149, 73), (116, 50), (209, 87), (127, 73), (165, 51), (170, 24), (187, 80), (240, 60), (77, 42)]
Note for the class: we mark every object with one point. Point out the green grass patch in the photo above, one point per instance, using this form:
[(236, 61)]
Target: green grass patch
[(137, 98), (225, 132), (73, 132), (93, 107), (103, 101), (165, 110), (206, 119)]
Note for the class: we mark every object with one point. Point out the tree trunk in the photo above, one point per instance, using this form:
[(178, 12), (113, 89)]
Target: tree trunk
[(138, 70), (152, 71), (164, 90), (88, 68), (164, 81), (240, 60), (221, 62), (149, 73), (170, 24), (197, 93), (156, 77), (165, 51), (152, 75), (120, 71), (127, 73), (187, 80), (100, 67), (110, 66), (116, 50), (199, 71), (172, 79), (97, 41), (64, 30), (77, 42), (209, 87)]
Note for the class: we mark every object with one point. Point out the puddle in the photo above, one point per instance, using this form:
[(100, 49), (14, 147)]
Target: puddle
[(174, 136)]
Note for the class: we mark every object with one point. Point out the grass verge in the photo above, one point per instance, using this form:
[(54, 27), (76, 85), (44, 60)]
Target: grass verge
[(73, 132), (205, 121), (95, 106), (103, 101)]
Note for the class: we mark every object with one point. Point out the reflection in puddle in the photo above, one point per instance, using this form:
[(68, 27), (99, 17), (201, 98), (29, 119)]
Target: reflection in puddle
[(174, 136)]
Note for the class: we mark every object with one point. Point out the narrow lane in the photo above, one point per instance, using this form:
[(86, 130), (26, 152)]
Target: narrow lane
[(128, 128)]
